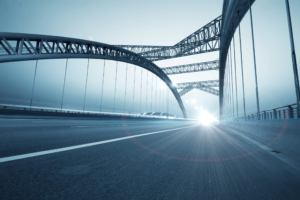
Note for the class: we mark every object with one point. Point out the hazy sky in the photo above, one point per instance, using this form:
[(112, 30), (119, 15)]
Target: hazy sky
[(165, 22)]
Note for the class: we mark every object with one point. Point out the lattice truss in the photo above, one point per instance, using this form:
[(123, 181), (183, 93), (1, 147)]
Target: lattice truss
[(205, 86), (206, 39), (195, 67)]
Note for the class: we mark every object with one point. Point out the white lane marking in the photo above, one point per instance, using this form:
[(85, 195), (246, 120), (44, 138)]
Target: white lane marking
[(29, 155), (82, 126)]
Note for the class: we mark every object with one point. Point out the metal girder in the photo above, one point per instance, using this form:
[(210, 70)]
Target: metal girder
[(209, 90), (188, 49), (203, 88), (21, 47), (195, 67), (209, 31), (139, 49), (185, 90), (212, 83), (206, 39)]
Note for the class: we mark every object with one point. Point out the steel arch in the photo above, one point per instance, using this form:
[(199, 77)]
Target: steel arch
[(21, 47)]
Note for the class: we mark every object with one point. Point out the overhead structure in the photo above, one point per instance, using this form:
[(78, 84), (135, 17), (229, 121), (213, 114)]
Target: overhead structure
[(195, 67), (209, 90), (140, 49), (21, 47), (185, 90), (206, 39), (203, 88), (212, 83)]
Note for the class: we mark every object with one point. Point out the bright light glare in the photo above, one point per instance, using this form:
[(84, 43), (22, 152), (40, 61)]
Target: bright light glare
[(206, 118)]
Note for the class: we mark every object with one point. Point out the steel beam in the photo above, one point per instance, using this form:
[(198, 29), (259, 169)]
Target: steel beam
[(212, 83), (185, 90), (195, 67), (140, 49), (206, 39), (205, 89)]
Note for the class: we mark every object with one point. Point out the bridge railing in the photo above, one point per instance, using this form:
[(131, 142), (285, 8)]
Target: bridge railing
[(283, 112), (13, 110)]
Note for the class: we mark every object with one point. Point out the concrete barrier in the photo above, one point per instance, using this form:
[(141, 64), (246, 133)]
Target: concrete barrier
[(283, 136)]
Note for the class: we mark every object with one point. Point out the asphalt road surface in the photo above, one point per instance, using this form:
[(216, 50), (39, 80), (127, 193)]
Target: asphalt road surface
[(137, 159)]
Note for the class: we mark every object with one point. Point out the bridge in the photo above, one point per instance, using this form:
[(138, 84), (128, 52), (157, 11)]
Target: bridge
[(97, 119)]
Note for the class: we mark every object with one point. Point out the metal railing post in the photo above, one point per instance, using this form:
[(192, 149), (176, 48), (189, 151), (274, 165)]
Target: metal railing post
[(291, 112), (274, 114)]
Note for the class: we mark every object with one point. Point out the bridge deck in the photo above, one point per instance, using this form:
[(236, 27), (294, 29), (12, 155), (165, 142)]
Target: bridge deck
[(197, 162)]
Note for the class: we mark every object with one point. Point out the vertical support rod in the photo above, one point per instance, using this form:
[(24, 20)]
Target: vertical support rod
[(151, 90), (87, 74), (102, 86), (33, 82), (295, 68), (147, 92), (231, 82), (62, 97), (133, 90), (115, 87), (168, 95), (141, 89), (242, 69), (159, 95), (236, 94), (125, 87), (156, 94), (254, 59), (228, 88)]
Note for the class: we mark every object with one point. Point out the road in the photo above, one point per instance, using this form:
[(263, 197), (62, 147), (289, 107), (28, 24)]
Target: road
[(137, 159)]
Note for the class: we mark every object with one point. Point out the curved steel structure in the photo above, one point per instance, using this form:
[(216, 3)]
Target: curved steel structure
[(233, 13), (21, 47)]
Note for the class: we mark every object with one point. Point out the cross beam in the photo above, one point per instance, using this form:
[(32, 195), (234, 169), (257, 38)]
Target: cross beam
[(205, 89), (206, 39), (195, 67), (212, 83), (209, 90)]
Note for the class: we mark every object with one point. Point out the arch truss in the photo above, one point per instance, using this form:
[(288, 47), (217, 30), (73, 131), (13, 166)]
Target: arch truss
[(21, 47)]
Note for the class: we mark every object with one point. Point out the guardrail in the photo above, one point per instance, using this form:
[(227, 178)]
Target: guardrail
[(283, 112), (48, 111)]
